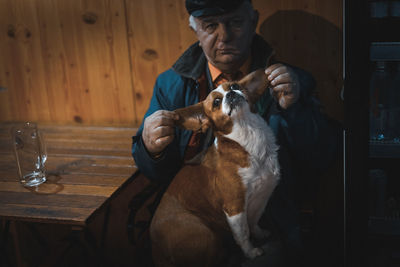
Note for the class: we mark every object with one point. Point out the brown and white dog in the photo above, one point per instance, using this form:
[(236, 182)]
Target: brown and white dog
[(227, 192)]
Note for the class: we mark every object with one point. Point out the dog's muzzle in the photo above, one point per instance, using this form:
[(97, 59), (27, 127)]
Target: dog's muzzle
[(233, 100)]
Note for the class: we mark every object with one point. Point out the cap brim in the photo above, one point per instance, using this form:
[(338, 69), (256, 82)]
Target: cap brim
[(209, 12)]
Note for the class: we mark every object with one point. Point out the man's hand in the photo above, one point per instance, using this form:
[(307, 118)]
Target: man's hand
[(284, 84), (158, 131)]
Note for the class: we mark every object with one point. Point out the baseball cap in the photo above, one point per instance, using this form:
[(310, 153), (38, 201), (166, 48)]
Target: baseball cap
[(199, 8)]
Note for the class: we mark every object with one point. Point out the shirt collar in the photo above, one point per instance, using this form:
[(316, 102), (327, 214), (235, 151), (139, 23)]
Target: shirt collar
[(215, 72)]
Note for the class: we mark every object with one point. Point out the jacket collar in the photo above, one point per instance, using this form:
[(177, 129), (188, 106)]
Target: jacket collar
[(192, 62)]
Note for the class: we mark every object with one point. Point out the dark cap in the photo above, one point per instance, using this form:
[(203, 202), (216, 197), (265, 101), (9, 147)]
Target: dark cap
[(199, 8)]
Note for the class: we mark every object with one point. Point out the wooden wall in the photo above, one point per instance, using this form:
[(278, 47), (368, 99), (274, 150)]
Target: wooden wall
[(95, 61)]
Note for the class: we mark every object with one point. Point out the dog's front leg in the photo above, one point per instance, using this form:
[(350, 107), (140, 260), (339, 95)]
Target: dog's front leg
[(241, 234)]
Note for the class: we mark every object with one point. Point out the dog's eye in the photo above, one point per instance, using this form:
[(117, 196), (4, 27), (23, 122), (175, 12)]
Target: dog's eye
[(216, 102), (234, 86)]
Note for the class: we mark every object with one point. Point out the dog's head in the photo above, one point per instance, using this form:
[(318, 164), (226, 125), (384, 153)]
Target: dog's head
[(228, 103)]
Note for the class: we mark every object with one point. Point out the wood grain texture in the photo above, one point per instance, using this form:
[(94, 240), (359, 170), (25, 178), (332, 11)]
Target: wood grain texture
[(94, 62), (78, 184), (65, 61), (158, 32), (308, 34), (48, 214), (82, 141), (67, 189)]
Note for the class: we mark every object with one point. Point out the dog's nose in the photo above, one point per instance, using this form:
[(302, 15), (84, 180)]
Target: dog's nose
[(233, 98), (234, 86), (230, 96)]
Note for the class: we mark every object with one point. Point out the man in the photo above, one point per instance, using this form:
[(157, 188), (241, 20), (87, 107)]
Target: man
[(229, 48)]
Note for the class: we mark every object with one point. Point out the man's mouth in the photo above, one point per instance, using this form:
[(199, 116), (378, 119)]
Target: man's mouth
[(227, 51)]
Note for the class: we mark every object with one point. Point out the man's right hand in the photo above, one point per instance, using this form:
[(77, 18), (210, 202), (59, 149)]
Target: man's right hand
[(158, 131)]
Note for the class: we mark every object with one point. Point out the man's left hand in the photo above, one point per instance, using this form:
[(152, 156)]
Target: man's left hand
[(284, 84)]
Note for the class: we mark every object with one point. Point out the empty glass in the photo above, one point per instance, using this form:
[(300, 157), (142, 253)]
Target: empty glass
[(30, 154)]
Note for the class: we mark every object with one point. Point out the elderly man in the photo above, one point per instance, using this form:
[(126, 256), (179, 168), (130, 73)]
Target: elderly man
[(227, 49)]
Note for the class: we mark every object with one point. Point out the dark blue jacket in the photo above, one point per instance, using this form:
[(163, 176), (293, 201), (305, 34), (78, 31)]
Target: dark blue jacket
[(307, 139), (302, 126)]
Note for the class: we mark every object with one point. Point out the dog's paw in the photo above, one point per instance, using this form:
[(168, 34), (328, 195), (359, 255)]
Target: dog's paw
[(254, 252)]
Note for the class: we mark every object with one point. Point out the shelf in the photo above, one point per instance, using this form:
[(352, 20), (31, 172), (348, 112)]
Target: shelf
[(384, 150), (385, 51)]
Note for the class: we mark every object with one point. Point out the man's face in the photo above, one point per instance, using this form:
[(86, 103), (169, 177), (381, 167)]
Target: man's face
[(226, 39)]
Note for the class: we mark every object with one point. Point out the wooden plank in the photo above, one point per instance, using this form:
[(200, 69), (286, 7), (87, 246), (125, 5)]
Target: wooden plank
[(76, 179), (59, 188), (89, 47), (308, 34), (53, 200), (89, 144), (81, 178), (11, 173), (74, 137), (116, 134), (48, 214), (158, 33), (62, 159), (84, 160), (72, 140), (83, 130), (78, 147), (88, 152), (90, 170), (97, 160), (65, 61)]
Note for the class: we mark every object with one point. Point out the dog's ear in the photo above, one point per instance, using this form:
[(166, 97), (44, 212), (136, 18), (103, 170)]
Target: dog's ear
[(255, 84), (193, 118)]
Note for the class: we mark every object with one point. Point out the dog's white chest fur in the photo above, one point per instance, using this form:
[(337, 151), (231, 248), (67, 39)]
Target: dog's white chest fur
[(259, 179), (257, 138)]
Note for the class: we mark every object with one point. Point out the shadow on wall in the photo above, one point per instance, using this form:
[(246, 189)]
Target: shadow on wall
[(311, 43)]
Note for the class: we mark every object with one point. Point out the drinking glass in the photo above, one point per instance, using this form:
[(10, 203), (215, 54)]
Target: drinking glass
[(30, 154)]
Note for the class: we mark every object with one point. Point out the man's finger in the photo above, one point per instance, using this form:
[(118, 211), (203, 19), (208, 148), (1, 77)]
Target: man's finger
[(273, 68), (161, 118), (165, 121), (163, 141), (168, 114), (281, 79), (162, 131), (284, 87)]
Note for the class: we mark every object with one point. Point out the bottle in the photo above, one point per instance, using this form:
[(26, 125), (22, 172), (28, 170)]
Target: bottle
[(378, 114)]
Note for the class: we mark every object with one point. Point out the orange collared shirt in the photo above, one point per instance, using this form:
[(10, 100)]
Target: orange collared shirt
[(196, 140), (217, 75)]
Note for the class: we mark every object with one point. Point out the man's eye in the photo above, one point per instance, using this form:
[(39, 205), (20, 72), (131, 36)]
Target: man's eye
[(211, 26), (216, 102)]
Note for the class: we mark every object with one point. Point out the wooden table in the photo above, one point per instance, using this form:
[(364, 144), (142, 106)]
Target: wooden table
[(86, 168)]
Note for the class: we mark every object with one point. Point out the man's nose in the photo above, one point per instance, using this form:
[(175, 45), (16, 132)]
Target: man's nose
[(225, 33)]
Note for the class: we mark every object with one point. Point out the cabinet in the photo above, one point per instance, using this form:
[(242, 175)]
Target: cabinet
[(372, 135)]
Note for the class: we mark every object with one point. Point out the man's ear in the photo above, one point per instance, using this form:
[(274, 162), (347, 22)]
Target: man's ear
[(255, 84), (193, 118)]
